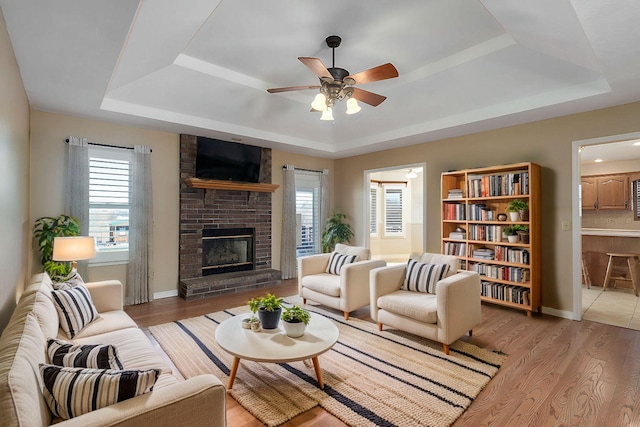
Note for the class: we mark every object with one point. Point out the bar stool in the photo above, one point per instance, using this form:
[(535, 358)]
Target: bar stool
[(586, 277), (631, 263)]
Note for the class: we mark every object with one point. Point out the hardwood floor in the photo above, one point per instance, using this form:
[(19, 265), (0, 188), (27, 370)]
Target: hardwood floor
[(558, 372)]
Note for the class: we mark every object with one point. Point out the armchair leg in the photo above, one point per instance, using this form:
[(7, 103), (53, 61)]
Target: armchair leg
[(470, 332), (304, 300), (445, 347), (346, 315), (379, 327)]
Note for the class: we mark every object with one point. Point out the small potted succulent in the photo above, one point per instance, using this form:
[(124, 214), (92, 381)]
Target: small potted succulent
[(295, 320), (518, 210), (252, 322), (511, 232), (269, 308)]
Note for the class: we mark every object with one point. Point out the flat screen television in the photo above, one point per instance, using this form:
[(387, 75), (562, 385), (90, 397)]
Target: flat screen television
[(227, 161)]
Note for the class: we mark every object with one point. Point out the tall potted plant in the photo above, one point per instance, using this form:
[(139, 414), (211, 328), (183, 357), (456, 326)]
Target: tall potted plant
[(336, 231), (45, 230)]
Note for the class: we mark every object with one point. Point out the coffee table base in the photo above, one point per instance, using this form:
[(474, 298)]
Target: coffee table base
[(236, 364)]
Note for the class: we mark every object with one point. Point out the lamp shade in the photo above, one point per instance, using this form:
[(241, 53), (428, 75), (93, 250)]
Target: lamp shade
[(352, 106), (327, 114), (319, 103), (74, 248)]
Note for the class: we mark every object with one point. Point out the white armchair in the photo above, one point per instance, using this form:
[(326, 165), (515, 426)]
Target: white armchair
[(346, 291), (444, 317)]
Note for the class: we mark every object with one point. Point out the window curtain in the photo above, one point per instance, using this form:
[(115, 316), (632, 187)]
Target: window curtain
[(77, 188), (139, 283), (288, 241), (324, 203)]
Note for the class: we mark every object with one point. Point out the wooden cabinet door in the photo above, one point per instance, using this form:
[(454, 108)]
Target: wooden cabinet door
[(613, 192), (589, 187)]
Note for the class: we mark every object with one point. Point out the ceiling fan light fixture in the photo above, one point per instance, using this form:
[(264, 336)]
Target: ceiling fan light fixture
[(319, 102), (327, 114), (352, 106)]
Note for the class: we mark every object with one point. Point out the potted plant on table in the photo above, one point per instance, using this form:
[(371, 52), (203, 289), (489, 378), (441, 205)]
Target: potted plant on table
[(269, 308), (518, 210), (295, 320)]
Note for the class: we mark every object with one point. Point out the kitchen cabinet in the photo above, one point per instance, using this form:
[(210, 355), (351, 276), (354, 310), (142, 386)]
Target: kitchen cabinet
[(605, 192)]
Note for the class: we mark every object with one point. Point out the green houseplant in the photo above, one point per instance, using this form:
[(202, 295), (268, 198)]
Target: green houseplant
[(336, 231), (45, 230), (295, 321), (520, 207), (269, 308), (511, 231), (523, 232)]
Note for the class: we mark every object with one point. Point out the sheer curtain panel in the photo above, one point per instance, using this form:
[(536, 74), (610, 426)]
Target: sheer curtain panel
[(288, 245), (139, 279), (77, 188)]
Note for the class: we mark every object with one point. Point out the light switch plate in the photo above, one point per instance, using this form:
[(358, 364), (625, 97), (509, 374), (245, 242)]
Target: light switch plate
[(566, 225)]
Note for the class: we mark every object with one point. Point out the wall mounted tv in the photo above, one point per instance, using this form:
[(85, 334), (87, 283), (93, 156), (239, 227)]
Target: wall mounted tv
[(227, 161)]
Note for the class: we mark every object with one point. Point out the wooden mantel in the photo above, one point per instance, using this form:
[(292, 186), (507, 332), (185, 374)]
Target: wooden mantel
[(230, 185)]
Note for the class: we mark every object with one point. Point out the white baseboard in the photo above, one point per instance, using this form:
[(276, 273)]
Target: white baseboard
[(558, 313), (165, 294)]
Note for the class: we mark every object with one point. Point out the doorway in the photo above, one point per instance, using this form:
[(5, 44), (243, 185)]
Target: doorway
[(394, 214), (600, 231)]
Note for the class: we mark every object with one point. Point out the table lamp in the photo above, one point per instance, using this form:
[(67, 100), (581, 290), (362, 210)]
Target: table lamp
[(76, 248)]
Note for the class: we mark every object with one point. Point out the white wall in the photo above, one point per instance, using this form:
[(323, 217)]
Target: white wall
[(15, 227)]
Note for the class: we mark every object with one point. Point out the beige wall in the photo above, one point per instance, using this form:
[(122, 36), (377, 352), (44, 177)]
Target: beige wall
[(15, 227), (279, 159), (48, 132), (545, 142)]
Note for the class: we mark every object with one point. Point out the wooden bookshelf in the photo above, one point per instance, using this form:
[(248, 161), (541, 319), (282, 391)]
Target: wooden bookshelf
[(472, 200)]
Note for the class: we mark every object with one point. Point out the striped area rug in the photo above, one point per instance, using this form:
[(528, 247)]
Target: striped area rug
[(371, 378)]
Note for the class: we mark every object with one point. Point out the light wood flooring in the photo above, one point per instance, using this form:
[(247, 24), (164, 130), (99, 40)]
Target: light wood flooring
[(558, 372)]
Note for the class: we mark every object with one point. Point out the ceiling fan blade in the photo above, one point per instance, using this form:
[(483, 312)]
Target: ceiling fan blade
[(367, 97), (316, 65), (381, 72), (291, 88)]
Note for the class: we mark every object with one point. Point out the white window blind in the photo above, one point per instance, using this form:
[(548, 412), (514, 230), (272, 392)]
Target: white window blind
[(109, 202), (393, 209), (373, 209), (636, 200), (308, 213)]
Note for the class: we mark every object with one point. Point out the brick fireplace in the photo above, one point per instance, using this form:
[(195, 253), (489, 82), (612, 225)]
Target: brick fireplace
[(206, 212)]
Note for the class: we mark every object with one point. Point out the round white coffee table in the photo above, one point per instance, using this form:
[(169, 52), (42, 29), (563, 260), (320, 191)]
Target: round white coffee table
[(273, 345)]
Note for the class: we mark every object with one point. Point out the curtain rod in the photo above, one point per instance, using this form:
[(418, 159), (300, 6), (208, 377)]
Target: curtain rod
[(302, 169), (121, 147)]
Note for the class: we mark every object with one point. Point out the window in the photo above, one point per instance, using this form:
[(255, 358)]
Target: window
[(373, 209), (636, 199), (109, 202), (309, 229), (393, 209)]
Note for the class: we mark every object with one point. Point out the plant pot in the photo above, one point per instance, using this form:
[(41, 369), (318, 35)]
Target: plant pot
[(514, 216), (524, 237), (294, 329), (524, 215), (269, 319), (512, 238)]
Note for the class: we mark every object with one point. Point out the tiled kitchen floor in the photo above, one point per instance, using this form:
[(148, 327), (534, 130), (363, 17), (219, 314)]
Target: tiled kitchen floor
[(618, 306)]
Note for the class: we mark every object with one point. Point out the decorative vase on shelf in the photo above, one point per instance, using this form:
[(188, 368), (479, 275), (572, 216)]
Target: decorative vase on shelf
[(514, 216), (512, 238)]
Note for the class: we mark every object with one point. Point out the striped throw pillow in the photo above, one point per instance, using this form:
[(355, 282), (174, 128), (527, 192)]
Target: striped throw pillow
[(97, 356), (70, 282), (423, 277), (75, 309), (337, 260), (71, 392)]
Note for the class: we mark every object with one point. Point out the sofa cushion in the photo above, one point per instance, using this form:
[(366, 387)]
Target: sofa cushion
[(337, 261), (107, 322), (415, 305), (71, 282), (362, 252), (325, 283), (45, 312), (71, 392), (421, 277), (96, 356), (75, 309)]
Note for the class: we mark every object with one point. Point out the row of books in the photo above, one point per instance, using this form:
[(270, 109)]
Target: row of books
[(458, 249), (483, 253), (455, 193), (508, 254), (480, 212), (511, 293), (509, 184), (454, 211), (488, 233), (512, 274)]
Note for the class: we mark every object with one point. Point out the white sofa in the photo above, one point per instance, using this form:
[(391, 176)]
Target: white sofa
[(198, 401), (445, 316), (346, 291)]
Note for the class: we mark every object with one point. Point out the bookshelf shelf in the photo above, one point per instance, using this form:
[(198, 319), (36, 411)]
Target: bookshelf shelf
[(471, 200)]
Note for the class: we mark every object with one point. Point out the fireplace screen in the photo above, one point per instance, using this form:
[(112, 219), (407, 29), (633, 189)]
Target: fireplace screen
[(227, 250)]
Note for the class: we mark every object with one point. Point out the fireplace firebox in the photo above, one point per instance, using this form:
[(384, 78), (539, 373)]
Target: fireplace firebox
[(225, 250)]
